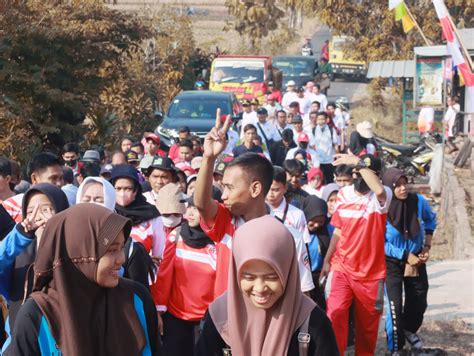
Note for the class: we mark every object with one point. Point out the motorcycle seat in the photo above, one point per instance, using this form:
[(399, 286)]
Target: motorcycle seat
[(406, 150)]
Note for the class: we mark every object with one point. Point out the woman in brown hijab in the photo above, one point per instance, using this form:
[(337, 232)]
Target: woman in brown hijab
[(263, 311), (79, 305)]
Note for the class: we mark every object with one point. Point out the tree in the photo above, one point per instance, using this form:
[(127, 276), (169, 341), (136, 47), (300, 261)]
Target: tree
[(76, 70), (376, 35)]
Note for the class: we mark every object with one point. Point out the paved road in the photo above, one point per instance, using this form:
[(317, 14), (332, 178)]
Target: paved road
[(351, 90)]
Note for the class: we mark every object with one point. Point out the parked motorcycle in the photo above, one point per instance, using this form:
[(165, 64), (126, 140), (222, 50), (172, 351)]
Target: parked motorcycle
[(415, 160)]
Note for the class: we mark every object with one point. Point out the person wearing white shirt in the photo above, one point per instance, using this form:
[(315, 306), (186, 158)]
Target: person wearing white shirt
[(288, 214), (315, 107), (303, 143), (297, 123), (304, 101), (272, 107), (325, 141), (290, 95), (281, 123), (311, 128), (232, 140), (266, 130), (319, 97), (248, 117)]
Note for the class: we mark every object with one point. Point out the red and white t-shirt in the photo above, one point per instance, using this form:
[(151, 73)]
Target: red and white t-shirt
[(13, 207), (222, 234), (181, 264), (150, 234), (361, 219)]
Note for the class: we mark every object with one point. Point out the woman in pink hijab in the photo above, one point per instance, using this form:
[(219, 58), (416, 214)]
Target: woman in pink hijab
[(263, 311)]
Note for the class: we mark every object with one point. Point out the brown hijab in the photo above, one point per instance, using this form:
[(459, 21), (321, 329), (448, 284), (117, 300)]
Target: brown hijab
[(249, 330), (84, 318)]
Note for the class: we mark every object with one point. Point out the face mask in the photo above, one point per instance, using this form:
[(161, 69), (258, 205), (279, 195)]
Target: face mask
[(171, 221), (361, 186), (71, 163), (124, 198)]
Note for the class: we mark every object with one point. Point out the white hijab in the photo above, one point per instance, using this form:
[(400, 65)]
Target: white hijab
[(108, 189)]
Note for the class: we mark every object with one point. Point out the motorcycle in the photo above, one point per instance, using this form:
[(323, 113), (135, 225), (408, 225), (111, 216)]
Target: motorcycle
[(415, 160)]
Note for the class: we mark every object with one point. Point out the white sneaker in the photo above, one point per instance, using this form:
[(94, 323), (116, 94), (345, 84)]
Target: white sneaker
[(413, 339)]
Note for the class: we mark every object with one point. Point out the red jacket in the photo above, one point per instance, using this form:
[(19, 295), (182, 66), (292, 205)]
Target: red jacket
[(185, 284)]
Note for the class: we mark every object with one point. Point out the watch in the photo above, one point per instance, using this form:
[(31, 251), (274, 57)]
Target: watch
[(361, 164)]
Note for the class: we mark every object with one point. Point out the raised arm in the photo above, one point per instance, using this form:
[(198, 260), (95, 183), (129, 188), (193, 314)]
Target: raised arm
[(214, 145)]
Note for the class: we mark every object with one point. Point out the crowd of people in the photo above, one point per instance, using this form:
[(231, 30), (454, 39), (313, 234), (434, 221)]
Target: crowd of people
[(274, 235)]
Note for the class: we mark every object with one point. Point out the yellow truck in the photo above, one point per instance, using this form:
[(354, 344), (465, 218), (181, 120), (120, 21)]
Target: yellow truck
[(245, 76), (342, 65)]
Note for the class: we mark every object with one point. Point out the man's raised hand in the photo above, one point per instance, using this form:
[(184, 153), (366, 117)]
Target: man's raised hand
[(215, 142)]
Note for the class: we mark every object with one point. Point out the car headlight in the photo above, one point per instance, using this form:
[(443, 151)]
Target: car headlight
[(167, 132)]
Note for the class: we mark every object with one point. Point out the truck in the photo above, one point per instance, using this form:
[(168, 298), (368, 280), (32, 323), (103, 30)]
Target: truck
[(245, 76), (342, 65)]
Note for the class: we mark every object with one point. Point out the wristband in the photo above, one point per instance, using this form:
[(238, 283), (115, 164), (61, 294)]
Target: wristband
[(426, 245)]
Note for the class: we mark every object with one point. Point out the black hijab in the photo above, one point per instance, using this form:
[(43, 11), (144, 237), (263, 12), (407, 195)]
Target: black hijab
[(194, 237), (139, 210), (402, 214), (55, 195), (314, 206)]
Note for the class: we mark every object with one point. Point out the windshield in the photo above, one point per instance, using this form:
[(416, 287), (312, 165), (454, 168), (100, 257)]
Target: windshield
[(238, 72), (338, 45), (198, 108), (295, 68)]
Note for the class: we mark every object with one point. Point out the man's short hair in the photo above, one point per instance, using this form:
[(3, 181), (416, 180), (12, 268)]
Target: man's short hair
[(317, 86), (186, 143), (314, 113), (316, 102), (287, 135), (42, 161), (71, 147), (331, 103), (5, 167), (184, 129), (323, 113), (293, 167), (90, 170), (294, 104), (250, 127), (68, 175), (279, 175), (258, 168), (343, 170), (280, 112)]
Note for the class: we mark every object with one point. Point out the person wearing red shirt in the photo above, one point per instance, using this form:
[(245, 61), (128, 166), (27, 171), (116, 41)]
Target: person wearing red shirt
[(246, 181), (184, 133), (356, 255), (185, 283), (152, 145)]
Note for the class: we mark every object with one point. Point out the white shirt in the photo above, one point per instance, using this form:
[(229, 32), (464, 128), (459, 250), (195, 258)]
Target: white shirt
[(310, 190), (301, 251), (294, 218), (288, 98), (232, 142), (272, 110), (314, 155), (280, 130), (324, 142), (247, 118), (450, 118), (305, 105), (270, 131), (321, 98)]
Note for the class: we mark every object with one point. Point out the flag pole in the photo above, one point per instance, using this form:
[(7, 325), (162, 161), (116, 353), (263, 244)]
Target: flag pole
[(427, 41), (458, 36)]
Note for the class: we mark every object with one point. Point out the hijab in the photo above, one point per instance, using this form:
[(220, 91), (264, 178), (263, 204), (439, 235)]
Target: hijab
[(84, 318), (108, 189), (55, 195), (328, 190), (245, 328), (402, 214), (138, 211)]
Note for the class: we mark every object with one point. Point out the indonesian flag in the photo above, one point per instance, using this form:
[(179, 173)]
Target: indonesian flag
[(452, 44)]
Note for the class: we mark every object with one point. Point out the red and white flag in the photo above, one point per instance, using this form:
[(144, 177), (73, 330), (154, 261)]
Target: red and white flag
[(452, 44)]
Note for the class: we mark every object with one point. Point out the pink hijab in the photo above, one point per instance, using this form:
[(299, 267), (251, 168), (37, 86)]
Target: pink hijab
[(249, 330)]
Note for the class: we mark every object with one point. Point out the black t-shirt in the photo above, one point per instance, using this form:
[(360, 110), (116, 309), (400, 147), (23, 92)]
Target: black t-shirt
[(24, 339), (240, 150), (322, 341)]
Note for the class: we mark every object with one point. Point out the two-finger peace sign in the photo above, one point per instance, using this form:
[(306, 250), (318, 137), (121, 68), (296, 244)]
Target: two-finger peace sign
[(218, 124)]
